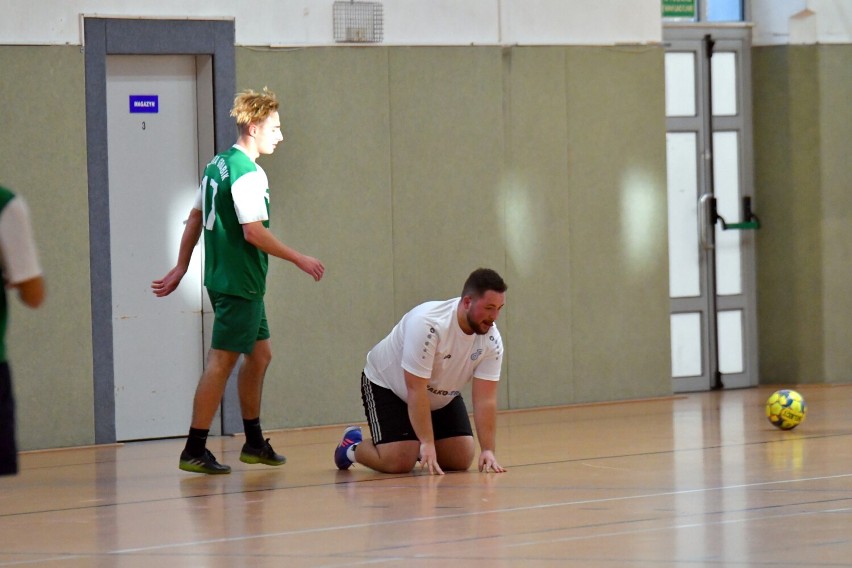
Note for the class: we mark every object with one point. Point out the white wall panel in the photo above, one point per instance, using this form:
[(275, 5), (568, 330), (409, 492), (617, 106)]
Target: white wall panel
[(779, 22), (407, 22), (577, 22), (436, 22)]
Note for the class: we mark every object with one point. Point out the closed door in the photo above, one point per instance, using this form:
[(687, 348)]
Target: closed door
[(154, 164), (711, 232)]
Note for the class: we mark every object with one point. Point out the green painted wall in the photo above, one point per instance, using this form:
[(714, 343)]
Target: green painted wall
[(802, 132), (403, 169), (330, 184), (618, 211), (43, 141), (420, 164)]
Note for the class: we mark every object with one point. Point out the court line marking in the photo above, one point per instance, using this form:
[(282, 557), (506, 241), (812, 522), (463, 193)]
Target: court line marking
[(130, 551), (677, 526), (582, 461), (540, 506)]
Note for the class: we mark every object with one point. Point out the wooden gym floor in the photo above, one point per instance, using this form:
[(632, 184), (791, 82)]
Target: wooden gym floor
[(695, 480)]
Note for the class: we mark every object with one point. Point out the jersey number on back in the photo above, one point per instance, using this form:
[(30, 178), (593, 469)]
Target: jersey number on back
[(211, 217)]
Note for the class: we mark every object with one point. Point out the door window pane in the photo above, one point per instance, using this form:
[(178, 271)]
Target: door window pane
[(686, 344), (724, 10), (730, 341), (724, 68), (682, 171), (680, 83), (726, 188)]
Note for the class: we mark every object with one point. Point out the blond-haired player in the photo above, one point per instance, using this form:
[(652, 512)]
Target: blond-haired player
[(232, 209)]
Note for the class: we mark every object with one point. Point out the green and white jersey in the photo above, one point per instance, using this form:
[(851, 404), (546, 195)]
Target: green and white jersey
[(234, 191), (18, 257)]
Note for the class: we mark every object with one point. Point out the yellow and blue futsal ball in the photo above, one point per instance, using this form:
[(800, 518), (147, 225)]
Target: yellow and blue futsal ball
[(786, 409)]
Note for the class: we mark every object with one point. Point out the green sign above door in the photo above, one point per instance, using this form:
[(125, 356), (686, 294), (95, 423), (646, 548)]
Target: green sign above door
[(681, 9)]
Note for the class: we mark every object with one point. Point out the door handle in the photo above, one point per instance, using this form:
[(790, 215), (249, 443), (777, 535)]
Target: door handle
[(706, 220)]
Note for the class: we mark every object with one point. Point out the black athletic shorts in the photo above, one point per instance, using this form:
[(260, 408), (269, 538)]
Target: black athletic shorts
[(8, 448), (387, 415)]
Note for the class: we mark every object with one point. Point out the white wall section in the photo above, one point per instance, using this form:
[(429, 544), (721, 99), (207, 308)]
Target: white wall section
[(780, 22), (406, 22)]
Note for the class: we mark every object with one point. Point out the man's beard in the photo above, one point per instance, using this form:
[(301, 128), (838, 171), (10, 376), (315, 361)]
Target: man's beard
[(477, 327)]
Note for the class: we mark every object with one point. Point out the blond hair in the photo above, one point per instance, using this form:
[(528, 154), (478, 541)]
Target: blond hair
[(251, 107)]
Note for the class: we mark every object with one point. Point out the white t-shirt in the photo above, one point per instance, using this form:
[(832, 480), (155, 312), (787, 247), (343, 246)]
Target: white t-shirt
[(17, 246), (428, 342)]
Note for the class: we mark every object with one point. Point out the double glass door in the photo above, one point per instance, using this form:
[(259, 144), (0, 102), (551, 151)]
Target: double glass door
[(711, 227)]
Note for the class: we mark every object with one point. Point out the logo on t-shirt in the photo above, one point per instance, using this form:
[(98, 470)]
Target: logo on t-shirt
[(475, 355), (442, 392)]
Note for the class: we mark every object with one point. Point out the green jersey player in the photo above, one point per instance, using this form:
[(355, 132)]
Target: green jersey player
[(20, 268), (234, 191), (232, 210)]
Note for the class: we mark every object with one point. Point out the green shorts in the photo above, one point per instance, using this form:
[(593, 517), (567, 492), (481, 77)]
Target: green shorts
[(238, 323)]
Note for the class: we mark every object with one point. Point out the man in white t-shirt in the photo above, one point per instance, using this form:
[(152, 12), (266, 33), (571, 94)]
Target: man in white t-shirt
[(20, 269), (411, 386)]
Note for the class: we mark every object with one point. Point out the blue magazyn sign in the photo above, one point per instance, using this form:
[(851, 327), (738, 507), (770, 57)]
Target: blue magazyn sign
[(145, 103)]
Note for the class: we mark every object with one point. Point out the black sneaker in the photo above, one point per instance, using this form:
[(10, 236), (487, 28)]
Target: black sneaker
[(265, 455), (205, 464)]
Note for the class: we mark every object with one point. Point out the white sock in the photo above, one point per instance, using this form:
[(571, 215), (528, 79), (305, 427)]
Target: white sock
[(350, 452)]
